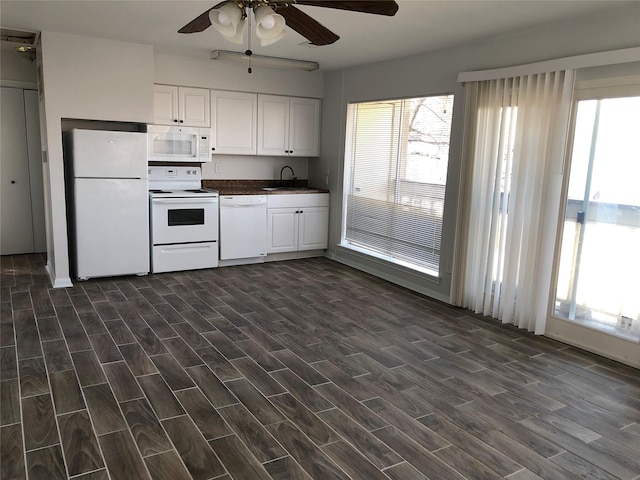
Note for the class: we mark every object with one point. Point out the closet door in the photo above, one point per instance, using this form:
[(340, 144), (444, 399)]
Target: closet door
[(32, 121), (16, 228)]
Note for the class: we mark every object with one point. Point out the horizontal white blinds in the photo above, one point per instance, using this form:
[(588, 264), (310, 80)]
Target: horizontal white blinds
[(395, 173)]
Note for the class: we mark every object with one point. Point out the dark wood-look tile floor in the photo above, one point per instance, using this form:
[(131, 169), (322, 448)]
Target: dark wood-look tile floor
[(304, 370)]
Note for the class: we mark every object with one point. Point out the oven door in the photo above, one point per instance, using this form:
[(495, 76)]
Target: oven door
[(184, 220)]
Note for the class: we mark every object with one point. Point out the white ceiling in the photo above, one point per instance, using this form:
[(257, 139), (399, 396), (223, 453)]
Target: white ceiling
[(419, 25)]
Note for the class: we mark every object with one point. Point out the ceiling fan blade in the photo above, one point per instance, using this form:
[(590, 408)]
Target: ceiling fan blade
[(201, 22), (306, 26), (377, 7)]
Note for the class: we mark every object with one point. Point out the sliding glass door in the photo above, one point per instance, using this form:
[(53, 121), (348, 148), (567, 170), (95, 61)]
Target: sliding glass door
[(599, 271)]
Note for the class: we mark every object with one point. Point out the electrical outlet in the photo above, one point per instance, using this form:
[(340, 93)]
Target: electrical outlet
[(217, 167), (626, 323)]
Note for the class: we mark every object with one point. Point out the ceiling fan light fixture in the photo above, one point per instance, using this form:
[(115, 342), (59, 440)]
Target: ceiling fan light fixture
[(228, 20), (270, 41), (269, 25)]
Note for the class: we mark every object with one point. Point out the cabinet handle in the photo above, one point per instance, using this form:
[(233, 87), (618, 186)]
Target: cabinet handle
[(301, 211), (13, 181), (213, 149), (175, 120), (181, 121)]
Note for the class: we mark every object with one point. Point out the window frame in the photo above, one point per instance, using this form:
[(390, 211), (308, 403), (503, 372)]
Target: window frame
[(401, 146)]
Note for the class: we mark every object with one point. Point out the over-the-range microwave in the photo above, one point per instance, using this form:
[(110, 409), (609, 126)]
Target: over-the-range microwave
[(178, 144)]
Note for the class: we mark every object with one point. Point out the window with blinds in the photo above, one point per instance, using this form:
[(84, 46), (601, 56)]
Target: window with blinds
[(396, 158)]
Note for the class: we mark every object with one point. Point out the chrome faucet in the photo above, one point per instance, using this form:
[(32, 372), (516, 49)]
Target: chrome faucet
[(292, 174)]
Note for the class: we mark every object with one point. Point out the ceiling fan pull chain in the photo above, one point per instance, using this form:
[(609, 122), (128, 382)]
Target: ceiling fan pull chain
[(248, 53)]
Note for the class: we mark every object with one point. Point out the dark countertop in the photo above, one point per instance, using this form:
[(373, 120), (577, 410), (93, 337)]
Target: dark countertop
[(255, 187)]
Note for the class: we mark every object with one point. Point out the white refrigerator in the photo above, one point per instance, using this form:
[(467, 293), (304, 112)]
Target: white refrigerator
[(109, 203)]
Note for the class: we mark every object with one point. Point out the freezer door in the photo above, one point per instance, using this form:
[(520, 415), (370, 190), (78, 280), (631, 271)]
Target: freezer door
[(111, 223), (106, 154)]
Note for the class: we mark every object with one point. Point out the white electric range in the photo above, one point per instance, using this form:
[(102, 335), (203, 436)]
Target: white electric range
[(184, 220)]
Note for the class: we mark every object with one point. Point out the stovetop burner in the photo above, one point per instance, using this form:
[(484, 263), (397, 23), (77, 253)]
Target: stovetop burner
[(196, 192)]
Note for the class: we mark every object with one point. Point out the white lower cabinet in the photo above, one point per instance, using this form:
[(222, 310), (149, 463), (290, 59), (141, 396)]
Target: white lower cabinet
[(297, 222), (313, 225)]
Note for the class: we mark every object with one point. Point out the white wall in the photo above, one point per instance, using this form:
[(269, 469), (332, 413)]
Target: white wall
[(239, 167), (92, 79), (217, 75), (435, 73), (193, 72)]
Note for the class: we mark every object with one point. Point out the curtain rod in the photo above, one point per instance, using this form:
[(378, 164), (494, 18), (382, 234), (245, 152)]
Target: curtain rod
[(612, 57)]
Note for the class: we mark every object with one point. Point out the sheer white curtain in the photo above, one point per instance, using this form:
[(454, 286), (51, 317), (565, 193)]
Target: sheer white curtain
[(509, 201)]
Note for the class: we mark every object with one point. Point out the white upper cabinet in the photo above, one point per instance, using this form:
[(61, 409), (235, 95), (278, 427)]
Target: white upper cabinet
[(233, 122), (165, 104), (288, 126), (184, 106), (304, 127), (193, 105)]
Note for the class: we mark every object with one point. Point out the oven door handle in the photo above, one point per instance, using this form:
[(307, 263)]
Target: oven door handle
[(173, 201), (253, 205)]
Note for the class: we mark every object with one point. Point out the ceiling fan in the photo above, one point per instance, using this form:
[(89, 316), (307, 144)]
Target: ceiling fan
[(271, 16)]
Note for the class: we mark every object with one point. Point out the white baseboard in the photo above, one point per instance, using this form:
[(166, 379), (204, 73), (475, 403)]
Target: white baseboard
[(400, 276), (274, 257), (609, 346), (57, 282)]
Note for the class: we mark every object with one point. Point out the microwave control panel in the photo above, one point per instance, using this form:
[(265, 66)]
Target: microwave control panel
[(204, 146)]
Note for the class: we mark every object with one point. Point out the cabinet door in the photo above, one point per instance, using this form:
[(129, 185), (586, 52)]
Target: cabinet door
[(194, 106), (282, 230), (273, 125), (165, 104), (304, 127), (233, 122), (313, 228)]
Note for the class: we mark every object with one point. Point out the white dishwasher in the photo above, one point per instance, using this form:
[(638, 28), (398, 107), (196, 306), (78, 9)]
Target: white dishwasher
[(243, 226)]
